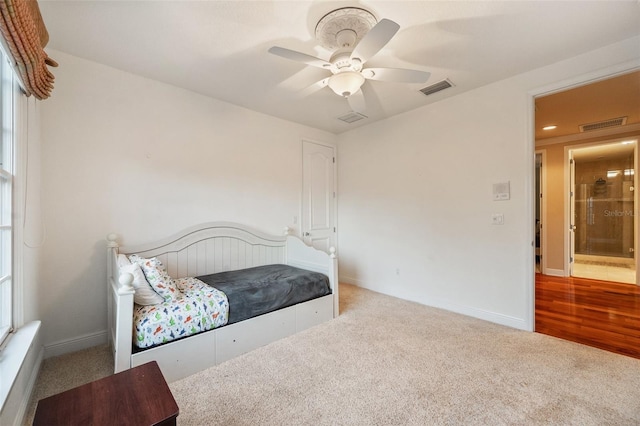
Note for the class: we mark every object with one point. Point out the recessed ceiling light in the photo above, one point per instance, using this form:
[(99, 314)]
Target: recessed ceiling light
[(553, 126)]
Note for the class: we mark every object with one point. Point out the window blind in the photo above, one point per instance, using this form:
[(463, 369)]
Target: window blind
[(24, 37)]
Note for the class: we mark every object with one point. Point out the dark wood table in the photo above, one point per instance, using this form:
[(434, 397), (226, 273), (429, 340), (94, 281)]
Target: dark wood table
[(138, 396)]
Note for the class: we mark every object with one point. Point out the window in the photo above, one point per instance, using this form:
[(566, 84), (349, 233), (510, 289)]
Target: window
[(6, 198)]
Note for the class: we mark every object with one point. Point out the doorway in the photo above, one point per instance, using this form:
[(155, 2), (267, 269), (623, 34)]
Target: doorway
[(602, 113), (602, 212)]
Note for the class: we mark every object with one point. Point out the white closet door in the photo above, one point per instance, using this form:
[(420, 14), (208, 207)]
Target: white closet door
[(318, 195)]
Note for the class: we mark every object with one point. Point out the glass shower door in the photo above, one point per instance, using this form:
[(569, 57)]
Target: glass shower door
[(604, 217), (604, 213)]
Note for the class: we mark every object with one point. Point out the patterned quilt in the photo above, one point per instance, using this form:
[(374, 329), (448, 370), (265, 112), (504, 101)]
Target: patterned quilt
[(198, 307)]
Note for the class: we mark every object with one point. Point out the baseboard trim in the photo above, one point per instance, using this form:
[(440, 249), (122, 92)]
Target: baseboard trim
[(494, 317), (350, 280), (554, 272), (76, 344)]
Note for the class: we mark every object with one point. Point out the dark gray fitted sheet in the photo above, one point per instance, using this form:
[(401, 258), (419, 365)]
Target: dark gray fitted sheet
[(262, 289)]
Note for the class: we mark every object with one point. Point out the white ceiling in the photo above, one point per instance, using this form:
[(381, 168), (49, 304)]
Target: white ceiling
[(219, 48)]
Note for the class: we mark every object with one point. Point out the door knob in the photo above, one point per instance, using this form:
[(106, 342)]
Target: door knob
[(306, 234)]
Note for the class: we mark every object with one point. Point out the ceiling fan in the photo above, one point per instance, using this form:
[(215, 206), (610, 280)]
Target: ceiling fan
[(355, 35)]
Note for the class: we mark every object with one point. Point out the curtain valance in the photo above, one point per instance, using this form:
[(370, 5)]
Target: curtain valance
[(24, 37)]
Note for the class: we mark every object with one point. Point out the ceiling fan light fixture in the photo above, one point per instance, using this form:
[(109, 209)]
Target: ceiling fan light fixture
[(346, 83)]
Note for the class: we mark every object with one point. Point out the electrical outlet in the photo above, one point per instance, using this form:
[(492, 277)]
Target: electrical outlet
[(497, 219)]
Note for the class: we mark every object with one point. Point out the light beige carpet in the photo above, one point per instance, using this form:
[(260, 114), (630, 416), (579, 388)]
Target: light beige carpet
[(385, 361)]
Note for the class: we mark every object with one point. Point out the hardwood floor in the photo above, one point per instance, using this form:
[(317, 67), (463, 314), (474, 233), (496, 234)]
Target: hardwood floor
[(595, 313)]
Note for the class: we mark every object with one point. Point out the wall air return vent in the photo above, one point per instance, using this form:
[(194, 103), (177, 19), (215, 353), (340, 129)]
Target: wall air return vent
[(613, 122), (352, 117), (436, 87)]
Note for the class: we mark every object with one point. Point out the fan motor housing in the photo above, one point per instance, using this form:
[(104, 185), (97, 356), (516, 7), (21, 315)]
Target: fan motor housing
[(342, 59)]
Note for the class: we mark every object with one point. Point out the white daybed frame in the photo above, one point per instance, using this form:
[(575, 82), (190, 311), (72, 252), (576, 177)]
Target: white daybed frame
[(206, 249)]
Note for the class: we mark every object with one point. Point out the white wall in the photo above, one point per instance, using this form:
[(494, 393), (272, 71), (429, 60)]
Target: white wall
[(134, 156), (415, 200)]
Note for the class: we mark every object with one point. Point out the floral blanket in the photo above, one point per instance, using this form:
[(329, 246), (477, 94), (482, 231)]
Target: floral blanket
[(196, 307)]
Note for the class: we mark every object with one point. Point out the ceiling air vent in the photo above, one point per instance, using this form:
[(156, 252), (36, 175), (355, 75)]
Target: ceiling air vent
[(613, 122), (441, 85), (352, 117)]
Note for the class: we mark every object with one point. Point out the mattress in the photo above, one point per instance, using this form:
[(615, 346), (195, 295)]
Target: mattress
[(212, 301), (262, 289)]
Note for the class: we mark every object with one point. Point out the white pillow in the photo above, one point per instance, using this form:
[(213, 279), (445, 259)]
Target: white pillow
[(157, 277), (144, 295)]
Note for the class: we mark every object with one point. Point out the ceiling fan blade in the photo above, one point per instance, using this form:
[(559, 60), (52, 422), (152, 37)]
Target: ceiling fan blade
[(357, 102), (300, 57), (374, 40), (309, 90), (398, 75)]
